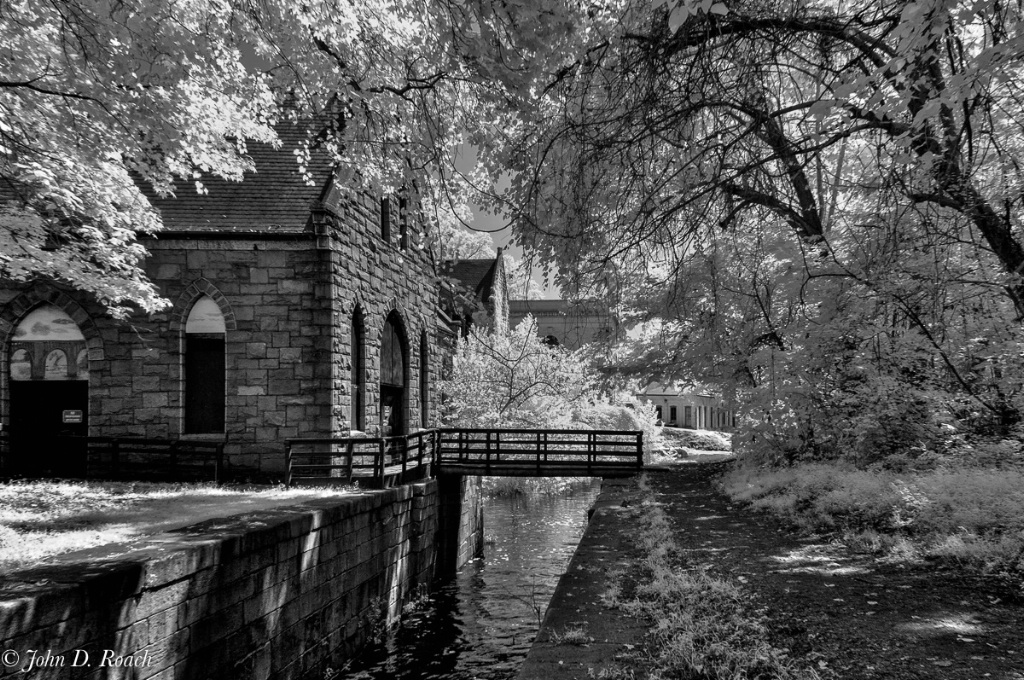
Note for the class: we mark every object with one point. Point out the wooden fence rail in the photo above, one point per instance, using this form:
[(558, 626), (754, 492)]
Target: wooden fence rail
[(377, 461), (135, 458)]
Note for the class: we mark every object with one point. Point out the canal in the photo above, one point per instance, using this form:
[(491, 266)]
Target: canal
[(480, 625)]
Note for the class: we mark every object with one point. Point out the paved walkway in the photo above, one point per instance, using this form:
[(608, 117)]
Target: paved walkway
[(604, 554)]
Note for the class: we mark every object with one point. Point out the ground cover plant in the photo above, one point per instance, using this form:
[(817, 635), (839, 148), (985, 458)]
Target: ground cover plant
[(703, 623), (970, 516), (42, 519), (533, 486)]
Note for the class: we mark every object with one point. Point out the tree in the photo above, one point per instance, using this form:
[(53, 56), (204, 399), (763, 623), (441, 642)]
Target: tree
[(452, 241), (98, 97), (810, 201), (521, 285), (513, 379)]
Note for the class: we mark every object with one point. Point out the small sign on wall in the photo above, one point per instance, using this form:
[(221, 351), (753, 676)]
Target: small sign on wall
[(73, 416)]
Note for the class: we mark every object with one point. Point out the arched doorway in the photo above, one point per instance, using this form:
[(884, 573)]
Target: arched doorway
[(394, 372), (49, 370)]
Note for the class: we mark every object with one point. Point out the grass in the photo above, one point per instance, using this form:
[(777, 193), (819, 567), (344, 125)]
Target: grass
[(575, 634), (970, 516), (533, 486), (42, 519), (703, 627), (701, 440)]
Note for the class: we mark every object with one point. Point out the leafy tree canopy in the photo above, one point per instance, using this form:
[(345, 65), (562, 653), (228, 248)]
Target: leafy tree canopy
[(815, 204), (97, 93)]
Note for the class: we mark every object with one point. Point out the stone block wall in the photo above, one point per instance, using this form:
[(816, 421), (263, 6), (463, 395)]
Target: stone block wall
[(282, 593), (288, 300), (462, 521)]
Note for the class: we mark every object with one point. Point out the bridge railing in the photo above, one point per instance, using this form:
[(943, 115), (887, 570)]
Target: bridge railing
[(539, 452), (372, 460), (383, 461)]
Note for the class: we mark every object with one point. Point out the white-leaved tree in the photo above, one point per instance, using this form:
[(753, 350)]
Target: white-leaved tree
[(513, 379), (100, 96)]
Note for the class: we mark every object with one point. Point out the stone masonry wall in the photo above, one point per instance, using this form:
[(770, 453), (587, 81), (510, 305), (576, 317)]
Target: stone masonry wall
[(288, 301), (283, 593)]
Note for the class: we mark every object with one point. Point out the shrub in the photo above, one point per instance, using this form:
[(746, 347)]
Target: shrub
[(974, 517)]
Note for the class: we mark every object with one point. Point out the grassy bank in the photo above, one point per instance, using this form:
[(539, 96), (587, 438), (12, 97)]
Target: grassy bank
[(533, 486), (40, 519), (974, 517), (703, 624)]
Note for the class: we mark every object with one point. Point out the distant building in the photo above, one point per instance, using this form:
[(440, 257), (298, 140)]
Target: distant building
[(681, 408), (474, 292), (567, 324)]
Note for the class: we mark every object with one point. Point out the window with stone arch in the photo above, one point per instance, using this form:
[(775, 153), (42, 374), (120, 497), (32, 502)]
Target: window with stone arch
[(204, 368), (358, 368)]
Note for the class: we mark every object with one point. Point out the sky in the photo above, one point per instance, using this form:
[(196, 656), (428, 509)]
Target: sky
[(495, 225)]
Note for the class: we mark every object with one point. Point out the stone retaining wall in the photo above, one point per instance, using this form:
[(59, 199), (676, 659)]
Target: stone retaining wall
[(283, 593)]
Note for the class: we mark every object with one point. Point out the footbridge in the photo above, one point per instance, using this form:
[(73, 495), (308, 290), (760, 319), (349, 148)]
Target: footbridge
[(387, 461)]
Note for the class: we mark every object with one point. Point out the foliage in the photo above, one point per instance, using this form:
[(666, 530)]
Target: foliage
[(703, 625), (455, 242), (521, 284), (972, 516), (99, 97), (496, 487), (700, 440), (514, 380), (813, 207), (573, 634)]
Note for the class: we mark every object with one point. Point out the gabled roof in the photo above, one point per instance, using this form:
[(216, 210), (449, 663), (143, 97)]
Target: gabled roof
[(476, 276), (273, 198)]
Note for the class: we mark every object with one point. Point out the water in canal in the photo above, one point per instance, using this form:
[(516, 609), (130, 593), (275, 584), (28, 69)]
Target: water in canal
[(481, 624)]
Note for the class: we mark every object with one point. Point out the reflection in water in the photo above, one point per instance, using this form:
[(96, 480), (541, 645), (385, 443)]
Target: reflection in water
[(481, 625)]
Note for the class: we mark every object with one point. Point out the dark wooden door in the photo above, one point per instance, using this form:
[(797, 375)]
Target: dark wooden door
[(43, 414)]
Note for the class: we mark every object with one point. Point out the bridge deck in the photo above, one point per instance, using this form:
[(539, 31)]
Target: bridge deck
[(465, 451)]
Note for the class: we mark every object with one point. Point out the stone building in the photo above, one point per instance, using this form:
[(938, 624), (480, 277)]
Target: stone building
[(567, 324), (475, 293), (298, 311), (677, 407)]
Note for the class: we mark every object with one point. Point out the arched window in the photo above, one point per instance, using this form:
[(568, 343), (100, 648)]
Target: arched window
[(424, 381), (204, 368), (393, 372), (55, 366), (358, 362), (44, 344), (21, 365)]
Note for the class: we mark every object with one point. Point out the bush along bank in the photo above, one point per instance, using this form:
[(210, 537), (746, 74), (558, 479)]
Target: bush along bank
[(703, 625), (973, 517)]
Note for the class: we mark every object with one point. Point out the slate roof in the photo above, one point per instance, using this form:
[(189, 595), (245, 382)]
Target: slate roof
[(274, 198), (474, 275)]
